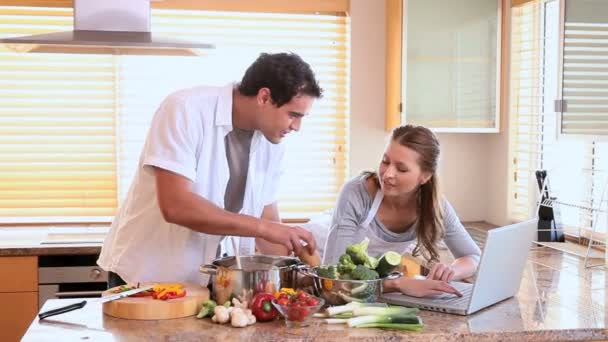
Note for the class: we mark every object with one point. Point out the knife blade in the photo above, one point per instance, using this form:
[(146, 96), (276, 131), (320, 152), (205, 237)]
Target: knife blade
[(123, 294), (80, 305)]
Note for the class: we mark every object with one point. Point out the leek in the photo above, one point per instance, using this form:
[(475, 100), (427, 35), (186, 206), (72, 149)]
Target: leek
[(336, 320), (398, 326), (386, 311), (381, 319), (335, 310)]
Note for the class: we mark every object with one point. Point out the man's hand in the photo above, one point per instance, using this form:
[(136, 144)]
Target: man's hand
[(288, 236), (424, 287), (441, 271)]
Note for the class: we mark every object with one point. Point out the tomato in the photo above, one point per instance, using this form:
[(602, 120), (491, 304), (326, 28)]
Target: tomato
[(312, 301)]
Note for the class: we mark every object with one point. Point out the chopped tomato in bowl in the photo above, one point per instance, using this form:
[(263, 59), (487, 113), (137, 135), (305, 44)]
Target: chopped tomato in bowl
[(298, 307)]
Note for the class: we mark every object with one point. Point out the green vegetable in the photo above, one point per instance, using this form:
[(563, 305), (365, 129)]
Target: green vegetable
[(207, 309), (345, 259), (363, 273), (345, 266), (371, 262), (348, 298), (387, 311), (397, 326), (336, 320), (333, 311), (382, 319), (387, 263), (330, 272), (366, 290), (358, 252)]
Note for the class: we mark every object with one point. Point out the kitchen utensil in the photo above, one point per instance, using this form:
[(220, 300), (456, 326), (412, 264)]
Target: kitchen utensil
[(342, 291), (258, 273), (80, 305), (236, 252), (147, 308)]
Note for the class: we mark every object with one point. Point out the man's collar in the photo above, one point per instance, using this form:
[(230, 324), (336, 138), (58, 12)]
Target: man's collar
[(223, 114)]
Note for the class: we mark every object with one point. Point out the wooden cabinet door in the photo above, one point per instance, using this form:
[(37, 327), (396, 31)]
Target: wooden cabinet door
[(16, 314), (18, 295), (19, 274)]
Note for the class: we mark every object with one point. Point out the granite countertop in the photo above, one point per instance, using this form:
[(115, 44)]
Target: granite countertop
[(559, 300), (33, 241)]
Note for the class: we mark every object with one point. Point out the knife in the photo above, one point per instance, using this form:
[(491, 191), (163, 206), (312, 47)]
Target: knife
[(80, 305)]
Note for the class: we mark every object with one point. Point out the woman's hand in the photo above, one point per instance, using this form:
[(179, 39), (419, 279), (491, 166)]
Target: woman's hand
[(441, 271), (421, 287)]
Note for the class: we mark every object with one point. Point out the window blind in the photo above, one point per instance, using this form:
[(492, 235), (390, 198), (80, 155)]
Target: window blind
[(525, 110), (317, 158), (585, 68), (57, 127), (576, 167)]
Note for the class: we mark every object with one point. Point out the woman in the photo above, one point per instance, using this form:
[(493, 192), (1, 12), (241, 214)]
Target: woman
[(399, 208)]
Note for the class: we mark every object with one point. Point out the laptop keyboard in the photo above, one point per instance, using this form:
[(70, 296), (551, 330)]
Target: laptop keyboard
[(452, 300)]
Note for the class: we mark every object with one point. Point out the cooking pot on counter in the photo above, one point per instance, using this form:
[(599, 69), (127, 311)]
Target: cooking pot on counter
[(258, 273)]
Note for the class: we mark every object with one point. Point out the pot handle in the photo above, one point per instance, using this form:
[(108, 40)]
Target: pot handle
[(208, 269), (393, 275), (305, 270)]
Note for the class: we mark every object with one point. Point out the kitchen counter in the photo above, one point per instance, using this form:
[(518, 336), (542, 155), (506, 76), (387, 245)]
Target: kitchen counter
[(51, 240), (558, 300)]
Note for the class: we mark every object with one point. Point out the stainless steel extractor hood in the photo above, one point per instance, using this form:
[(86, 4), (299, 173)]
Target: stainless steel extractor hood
[(114, 27)]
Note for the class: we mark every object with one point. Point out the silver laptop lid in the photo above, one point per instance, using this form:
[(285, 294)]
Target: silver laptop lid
[(502, 264)]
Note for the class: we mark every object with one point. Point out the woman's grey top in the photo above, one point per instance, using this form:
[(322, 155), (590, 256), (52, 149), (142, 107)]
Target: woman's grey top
[(352, 208)]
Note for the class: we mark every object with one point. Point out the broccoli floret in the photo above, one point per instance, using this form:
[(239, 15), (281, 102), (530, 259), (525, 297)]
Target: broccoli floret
[(330, 272), (345, 276), (365, 292), (372, 262), (363, 273), (358, 252), (345, 259), (345, 265), (345, 269)]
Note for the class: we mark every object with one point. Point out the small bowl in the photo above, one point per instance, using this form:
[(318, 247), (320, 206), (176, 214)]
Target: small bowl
[(298, 316)]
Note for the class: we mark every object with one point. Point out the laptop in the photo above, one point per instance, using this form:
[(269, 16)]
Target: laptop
[(498, 276)]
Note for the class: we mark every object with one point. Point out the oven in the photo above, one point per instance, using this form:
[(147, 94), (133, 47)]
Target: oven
[(69, 276)]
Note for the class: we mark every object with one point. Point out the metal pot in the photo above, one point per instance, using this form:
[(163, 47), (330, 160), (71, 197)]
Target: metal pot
[(342, 291), (258, 273)]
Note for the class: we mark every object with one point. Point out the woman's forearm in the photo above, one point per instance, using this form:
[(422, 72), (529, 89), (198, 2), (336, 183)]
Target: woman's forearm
[(464, 267)]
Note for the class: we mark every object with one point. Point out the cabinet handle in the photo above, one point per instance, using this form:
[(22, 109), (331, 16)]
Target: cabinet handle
[(77, 294)]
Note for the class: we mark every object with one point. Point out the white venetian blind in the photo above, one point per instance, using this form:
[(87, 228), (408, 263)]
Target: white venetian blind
[(73, 125), (57, 128), (576, 167), (585, 68), (526, 106), (316, 156)]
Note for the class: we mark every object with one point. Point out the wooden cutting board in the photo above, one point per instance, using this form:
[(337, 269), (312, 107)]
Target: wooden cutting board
[(148, 308)]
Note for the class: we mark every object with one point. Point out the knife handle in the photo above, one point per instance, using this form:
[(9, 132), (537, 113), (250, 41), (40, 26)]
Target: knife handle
[(61, 310)]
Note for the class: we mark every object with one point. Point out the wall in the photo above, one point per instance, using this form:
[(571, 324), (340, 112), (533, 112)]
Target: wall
[(473, 167)]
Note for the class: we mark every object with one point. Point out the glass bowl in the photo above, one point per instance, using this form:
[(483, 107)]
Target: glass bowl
[(297, 315)]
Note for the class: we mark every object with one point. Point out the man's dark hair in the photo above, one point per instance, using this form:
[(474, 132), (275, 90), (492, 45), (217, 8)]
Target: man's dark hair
[(285, 74)]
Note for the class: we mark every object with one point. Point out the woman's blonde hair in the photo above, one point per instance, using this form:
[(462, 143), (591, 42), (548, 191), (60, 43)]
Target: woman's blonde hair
[(429, 229)]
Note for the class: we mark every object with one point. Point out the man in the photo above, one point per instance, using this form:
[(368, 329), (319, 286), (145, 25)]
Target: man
[(210, 168)]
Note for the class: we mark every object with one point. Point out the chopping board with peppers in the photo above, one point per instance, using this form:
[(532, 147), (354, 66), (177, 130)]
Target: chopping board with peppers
[(163, 301)]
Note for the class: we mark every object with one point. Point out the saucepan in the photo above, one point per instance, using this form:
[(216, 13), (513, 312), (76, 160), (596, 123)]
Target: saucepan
[(258, 273)]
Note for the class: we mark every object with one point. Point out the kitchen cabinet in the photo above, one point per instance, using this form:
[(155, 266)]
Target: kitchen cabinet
[(451, 65), (18, 295)]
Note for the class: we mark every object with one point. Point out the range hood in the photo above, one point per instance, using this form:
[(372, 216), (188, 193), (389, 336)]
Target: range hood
[(115, 27)]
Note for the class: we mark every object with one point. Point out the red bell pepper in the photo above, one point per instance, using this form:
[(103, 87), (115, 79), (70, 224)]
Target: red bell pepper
[(262, 308)]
